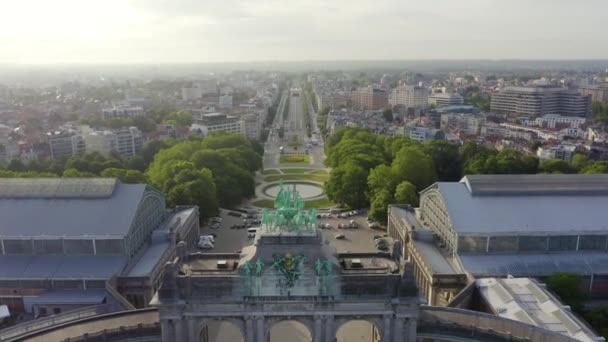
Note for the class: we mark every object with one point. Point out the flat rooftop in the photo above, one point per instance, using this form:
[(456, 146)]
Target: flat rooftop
[(536, 185)]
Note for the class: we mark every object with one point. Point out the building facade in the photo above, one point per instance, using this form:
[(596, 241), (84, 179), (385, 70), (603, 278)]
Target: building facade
[(65, 144), (288, 273), (369, 98), (216, 122), (445, 99), (541, 100), (598, 93), (122, 111), (89, 238), (409, 96)]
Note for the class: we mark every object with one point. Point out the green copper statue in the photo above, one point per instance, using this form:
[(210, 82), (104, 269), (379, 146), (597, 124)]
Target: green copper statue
[(289, 214)]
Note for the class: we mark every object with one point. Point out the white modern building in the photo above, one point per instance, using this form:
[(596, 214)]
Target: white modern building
[(445, 99), (126, 141), (554, 120), (216, 122), (122, 111)]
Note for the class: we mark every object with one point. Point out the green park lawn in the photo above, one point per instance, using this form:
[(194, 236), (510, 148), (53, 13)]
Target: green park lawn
[(271, 172), (320, 173), (316, 178), (295, 170), (295, 158)]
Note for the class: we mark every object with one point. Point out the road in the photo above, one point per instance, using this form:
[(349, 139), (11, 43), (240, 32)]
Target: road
[(294, 125)]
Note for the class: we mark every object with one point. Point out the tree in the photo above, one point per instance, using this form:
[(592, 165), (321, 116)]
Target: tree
[(181, 118), (16, 165), (579, 161), (568, 287), (388, 115), (125, 175), (151, 149), (73, 173), (600, 112), (411, 164), (596, 167), (347, 185), (379, 206), (446, 159), (556, 166), (406, 193), (380, 178), (195, 188)]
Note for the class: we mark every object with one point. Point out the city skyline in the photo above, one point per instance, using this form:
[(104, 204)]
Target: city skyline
[(186, 31)]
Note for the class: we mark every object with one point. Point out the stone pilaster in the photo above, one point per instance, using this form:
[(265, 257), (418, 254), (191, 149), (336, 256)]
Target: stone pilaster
[(410, 330), (260, 329), (249, 330), (387, 328), (398, 330), (166, 327)]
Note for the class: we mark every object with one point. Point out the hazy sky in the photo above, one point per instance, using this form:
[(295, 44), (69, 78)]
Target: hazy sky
[(165, 31)]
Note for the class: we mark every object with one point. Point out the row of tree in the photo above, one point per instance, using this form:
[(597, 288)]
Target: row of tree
[(375, 170), (146, 123)]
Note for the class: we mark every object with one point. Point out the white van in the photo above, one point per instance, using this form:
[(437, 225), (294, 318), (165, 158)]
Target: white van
[(251, 232)]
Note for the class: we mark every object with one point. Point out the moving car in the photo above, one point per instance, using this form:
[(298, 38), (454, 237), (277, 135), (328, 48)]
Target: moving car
[(251, 232), (340, 237)]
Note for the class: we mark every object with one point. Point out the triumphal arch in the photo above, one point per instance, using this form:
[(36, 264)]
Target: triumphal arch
[(289, 272)]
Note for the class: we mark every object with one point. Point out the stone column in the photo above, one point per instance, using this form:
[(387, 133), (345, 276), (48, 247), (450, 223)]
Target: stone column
[(329, 329), (410, 330), (181, 332), (249, 330), (260, 329), (318, 333), (387, 328), (193, 333), (166, 327), (398, 330)]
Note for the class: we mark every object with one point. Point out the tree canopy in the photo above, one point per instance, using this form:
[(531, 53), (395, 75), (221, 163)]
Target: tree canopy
[(229, 159)]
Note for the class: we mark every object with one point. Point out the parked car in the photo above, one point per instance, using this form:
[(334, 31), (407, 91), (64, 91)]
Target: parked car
[(343, 215), (216, 219), (234, 213), (376, 237), (340, 237), (215, 226), (340, 226), (205, 245), (373, 224), (353, 224), (210, 237)]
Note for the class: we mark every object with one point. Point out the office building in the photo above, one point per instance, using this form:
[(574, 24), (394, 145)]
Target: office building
[(225, 102), (499, 225), (541, 100), (409, 96), (251, 126), (129, 141), (216, 122), (369, 98), (445, 99), (103, 142), (563, 152), (64, 144), (122, 111), (598, 93), (420, 133), (88, 238), (465, 123)]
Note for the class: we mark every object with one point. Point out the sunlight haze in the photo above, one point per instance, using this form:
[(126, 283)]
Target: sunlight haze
[(184, 31)]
